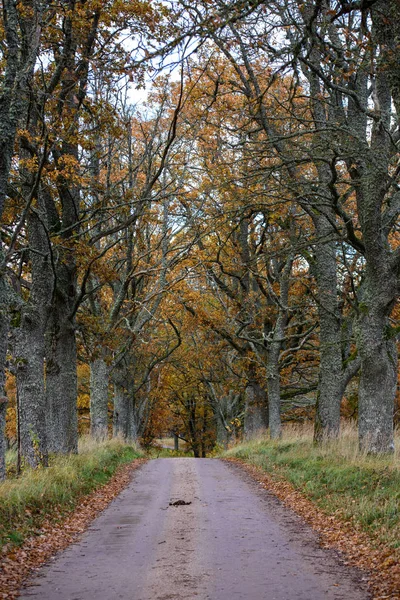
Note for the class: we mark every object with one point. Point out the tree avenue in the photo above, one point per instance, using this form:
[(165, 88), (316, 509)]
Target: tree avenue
[(218, 256)]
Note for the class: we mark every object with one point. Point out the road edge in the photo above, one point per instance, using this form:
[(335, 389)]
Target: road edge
[(20, 563), (382, 574)]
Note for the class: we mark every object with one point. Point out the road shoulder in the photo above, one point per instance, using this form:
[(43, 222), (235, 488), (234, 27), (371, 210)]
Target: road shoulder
[(352, 547), (20, 563)]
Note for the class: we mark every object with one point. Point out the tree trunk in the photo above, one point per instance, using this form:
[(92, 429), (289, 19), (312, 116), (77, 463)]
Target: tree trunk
[(61, 383), (193, 431), (133, 420), (99, 398), (30, 346), (378, 382), (330, 388), (222, 433), (4, 325), (61, 357), (3, 445), (274, 352), (120, 418), (29, 359), (255, 420), (20, 50), (274, 392), (330, 384)]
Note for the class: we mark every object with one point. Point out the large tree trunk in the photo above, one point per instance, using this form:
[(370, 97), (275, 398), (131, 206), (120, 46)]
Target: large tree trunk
[(61, 383), (330, 384), (3, 445), (274, 352), (29, 359), (322, 211), (274, 393), (61, 354), (99, 398), (4, 326), (378, 381), (256, 410), (30, 347), (21, 42), (381, 288)]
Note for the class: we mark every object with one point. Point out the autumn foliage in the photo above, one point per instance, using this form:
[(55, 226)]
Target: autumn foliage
[(199, 222)]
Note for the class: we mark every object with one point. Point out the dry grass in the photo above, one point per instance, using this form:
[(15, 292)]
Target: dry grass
[(346, 446)]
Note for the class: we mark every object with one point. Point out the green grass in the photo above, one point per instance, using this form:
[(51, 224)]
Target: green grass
[(358, 488), (27, 500)]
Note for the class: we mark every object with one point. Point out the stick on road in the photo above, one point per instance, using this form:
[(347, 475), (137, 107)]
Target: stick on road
[(232, 542)]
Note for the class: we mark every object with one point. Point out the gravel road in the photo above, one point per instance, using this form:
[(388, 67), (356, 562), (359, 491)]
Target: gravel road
[(233, 541)]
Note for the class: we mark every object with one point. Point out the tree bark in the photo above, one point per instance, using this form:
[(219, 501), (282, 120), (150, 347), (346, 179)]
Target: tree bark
[(255, 419), (381, 288), (4, 327), (22, 35), (99, 398), (30, 346), (121, 411), (274, 351), (3, 445), (378, 380), (330, 378), (61, 383), (274, 392), (133, 418), (61, 352), (29, 359)]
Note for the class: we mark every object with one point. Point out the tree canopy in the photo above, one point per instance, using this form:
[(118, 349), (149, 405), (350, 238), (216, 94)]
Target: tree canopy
[(217, 257)]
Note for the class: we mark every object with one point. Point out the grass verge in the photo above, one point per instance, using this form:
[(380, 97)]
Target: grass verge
[(26, 502), (357, 489)]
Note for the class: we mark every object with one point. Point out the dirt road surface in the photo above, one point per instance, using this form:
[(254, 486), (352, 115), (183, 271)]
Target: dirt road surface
[(232, 542)]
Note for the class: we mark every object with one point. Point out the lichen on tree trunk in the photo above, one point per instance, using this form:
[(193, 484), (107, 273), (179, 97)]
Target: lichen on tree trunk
[(274, 399), (30, 343), (4, 328), (29, 351), (378, 382), (330, 376), (61, 385), (3, 410), (99, 398)]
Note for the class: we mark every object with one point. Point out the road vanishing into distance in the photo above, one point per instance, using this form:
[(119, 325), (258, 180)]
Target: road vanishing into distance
[(226, 538)]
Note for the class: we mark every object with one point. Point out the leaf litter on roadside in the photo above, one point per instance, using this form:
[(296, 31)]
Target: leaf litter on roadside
[(57, 533), (380, 563)]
